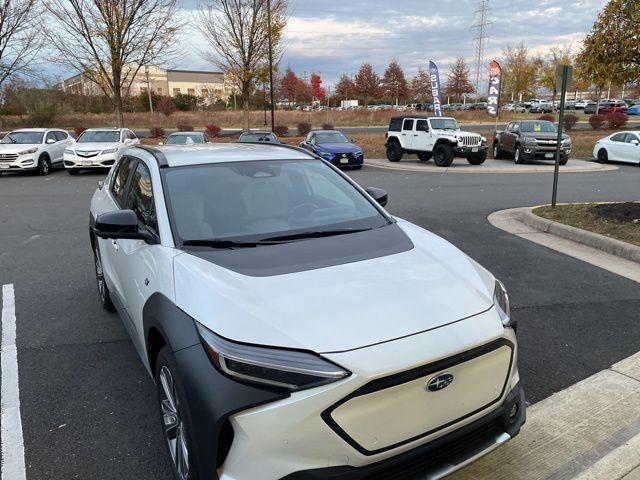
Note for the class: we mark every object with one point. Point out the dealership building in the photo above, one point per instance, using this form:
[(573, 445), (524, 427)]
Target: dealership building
[(210, 85)]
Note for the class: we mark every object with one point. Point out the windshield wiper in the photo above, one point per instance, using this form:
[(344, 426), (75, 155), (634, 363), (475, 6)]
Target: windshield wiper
[(314, 234), (222, 243)]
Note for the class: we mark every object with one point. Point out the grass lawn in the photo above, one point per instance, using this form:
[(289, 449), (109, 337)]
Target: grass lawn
[(618, 220)]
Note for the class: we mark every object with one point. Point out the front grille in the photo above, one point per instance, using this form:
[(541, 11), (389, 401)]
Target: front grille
[(545, 142), (8, 157), (470, 140), (87, 154), (337, 157)]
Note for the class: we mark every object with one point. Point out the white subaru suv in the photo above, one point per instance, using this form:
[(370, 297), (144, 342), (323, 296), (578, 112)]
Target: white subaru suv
[(437, 137), (293, 327), (98, 148), (38, 149)]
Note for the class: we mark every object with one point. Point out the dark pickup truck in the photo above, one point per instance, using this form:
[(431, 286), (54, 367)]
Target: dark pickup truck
[(531, 140)]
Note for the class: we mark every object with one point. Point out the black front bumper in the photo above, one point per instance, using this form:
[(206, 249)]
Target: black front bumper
[(338, 160), (451, 449), (469, 151), (536, 154)]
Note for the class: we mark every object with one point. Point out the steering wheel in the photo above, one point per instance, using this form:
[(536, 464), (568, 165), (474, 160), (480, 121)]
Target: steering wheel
[(302, 210)]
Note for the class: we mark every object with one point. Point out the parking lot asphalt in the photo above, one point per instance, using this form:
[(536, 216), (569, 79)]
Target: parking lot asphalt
[(88, 407)]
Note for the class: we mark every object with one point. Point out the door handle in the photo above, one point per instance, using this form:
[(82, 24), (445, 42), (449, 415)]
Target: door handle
[(415, 135), (116, 247)]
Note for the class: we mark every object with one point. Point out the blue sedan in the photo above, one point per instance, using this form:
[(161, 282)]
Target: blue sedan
[(635, 110), (334, 147)]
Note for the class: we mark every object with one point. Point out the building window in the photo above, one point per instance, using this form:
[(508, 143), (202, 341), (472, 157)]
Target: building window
[(191, 91), (205, 92), (176, 91)]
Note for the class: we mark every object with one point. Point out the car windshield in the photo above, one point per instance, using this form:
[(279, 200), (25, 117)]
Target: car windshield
[(444, 124), (331, 137), (182, 139), (255, 200), (23, 137), (99, 136), (538, 127), (258, 137)]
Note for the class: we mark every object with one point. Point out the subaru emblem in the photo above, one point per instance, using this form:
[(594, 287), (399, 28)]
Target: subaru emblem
[(440, 382)]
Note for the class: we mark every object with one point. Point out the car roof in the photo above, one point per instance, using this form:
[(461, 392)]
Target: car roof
[(202, 154), (258, 132), (324, 131), (34, 129), (105, 129), (186, 133)]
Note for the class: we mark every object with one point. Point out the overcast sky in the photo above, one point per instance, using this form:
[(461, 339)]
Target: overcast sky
[(337, 36)]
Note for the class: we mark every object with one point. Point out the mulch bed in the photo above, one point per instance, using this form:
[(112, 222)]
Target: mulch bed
[(628, 212)]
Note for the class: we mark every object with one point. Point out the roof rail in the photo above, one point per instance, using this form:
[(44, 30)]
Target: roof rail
[(284, 145), (157, 154)]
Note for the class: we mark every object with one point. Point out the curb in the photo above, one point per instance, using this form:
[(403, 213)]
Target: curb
[(595, 240)]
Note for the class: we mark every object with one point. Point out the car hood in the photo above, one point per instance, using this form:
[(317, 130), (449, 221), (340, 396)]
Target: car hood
[(94, 146), (340, 307), (17, 147), (339, 147)]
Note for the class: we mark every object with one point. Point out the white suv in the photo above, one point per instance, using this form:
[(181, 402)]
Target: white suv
[(437, 137), (98, 148), (33, 149), (293, 327)]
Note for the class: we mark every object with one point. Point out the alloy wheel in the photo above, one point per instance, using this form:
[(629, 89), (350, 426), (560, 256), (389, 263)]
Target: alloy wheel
[(174, 427)]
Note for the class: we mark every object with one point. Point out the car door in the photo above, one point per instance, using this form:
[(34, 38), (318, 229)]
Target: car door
[(616, 147), (52, 147), (407, 133), (139, 264), (509, 138), (421, 136), (630, 150), (64, 140)]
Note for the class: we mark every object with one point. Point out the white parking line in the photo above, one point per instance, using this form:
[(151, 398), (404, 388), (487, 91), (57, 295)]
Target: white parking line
[(11, 433)]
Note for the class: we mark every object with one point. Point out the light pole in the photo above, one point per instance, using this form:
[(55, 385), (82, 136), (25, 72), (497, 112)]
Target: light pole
[(273, 114)]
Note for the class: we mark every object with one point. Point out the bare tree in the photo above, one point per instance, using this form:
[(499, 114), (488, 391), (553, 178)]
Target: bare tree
[(20, 39), (238, 34), (108, 41)]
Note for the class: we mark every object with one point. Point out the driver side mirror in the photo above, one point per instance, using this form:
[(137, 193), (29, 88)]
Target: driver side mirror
[(50, 141), (121, 224), (635, 142), (378, 194), (353, 140)]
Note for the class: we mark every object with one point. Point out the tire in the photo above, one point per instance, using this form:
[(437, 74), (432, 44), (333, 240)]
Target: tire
[(175, 419), (477, 159), (394, 152), (425, 156), (497, 151), (443, 155), (73, 171), (103, 290), (44, 165), (517, 155), (564, 162), (603, 156)]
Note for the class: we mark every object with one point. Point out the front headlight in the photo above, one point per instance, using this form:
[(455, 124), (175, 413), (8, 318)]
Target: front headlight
[(26, 152), (68, 151), (290, 369), (501, 301), (326, 154), (110, 150)]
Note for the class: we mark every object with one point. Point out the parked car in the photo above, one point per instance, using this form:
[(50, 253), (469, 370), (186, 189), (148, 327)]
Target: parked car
[(591, 108), (612, 106), (580, 104), (634, 110), (185, 138), (334, 147), (267, 296), (97, 148), (531, 140), (513, 107), (437, 137), (258, 137), (542, 106), (29, 149), (619, 147)]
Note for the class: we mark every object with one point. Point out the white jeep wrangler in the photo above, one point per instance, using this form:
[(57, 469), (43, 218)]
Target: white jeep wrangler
[(437, 137)]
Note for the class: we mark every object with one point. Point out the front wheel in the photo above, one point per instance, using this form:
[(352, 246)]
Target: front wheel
[(394, 152), (103, 290), (477, 159), (564, 161), (517, 156), (603, 156), (44, 165), (497, 151), (175, 418), (425, 156), (443, 155)]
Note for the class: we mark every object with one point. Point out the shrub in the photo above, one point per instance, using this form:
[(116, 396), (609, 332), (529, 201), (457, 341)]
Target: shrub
[(157, 132), (213, 130), (281, 130), (596, 121), (570, 121), (304, 128), (548, 118), (616, 119), (78, 131), (43, 114), (327, 126), (165, 105), (184, 126)]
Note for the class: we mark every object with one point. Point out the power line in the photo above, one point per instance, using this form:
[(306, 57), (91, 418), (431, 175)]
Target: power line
[(480, 39)]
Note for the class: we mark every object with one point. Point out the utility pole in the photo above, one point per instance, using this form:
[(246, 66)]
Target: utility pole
[(146, 71), (480, 40), (273, 105)]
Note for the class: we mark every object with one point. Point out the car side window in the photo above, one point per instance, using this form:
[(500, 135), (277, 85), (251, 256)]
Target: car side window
[(631, 137), (132, 135), (60, 135), (50, 136), (618, 137), (509, 127), (140, 198), (422, 126), (407, 125), (119, 185)]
